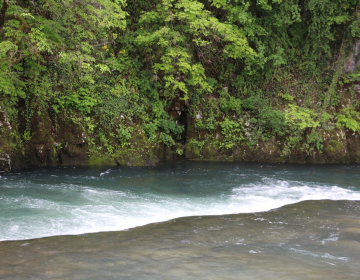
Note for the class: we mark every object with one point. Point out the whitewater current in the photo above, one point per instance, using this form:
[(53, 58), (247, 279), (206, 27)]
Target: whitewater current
[(63, 201)]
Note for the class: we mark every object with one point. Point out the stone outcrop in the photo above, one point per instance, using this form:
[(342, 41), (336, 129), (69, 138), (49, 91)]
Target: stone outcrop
[(354, 59), (67, 145)]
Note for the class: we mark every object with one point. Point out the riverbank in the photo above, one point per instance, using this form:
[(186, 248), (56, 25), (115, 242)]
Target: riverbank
[(263, 82), (67, 141)]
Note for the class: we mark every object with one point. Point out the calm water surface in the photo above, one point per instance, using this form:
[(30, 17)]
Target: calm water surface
[(315, 234)]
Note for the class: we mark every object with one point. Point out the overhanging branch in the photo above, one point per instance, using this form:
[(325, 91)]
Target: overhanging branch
[(24, 24)]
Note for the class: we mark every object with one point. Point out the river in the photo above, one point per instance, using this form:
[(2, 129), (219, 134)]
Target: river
[(181, 220)]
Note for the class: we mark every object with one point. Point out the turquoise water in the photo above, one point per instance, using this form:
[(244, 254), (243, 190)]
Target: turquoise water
[(47, 202), (183, 220)]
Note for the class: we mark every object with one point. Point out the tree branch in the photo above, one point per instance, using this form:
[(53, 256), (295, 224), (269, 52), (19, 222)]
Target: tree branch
[(24, 24), (12, 62)]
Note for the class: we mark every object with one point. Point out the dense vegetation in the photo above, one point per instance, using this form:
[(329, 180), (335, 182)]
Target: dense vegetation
[(185, 73)]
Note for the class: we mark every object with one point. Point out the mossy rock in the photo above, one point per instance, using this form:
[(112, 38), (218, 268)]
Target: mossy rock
[(335, 146), (210, 152), (192, 152), (99, 159), (125, 157), (353, 145), (135, 157), (73, 154), (138, 152), (69, 132), (270, 151), (11, 147), (240, 153), (40, 149)]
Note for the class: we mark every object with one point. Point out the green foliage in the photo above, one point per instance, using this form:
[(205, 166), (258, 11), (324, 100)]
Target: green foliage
[(199, 144), (166, 139), (325, 117), (252, 103), (229, 103), (348, 118), (179, 30), (105, 142), (113, 65), (273, 121), (232, 132), (314, 143), (81, 101), (301, 118), (27, 135), (179, 152), (287, 97), (326, 17), (124, 135)]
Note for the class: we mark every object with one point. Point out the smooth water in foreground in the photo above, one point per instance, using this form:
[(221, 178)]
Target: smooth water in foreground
[(315, 236)]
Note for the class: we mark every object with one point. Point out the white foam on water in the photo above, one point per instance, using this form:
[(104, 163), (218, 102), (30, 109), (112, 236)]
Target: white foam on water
[(106, 172), (272, 194), (79, 209), (319, 255)]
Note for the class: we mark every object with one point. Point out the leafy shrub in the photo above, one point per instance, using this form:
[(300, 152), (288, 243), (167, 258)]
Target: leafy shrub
[(124, 135), (232, 132), (287, 97), (314, 141), (166, 139), (300, 118), (252, 103), (229, 103), (195, 143), (349, 119), (273, 120)]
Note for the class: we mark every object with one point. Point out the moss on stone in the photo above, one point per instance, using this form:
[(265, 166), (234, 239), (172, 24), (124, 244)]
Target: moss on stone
[(99, 159), (192, 151)]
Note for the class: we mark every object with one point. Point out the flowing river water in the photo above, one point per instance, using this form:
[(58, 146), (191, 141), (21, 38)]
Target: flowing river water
[(182, 220)]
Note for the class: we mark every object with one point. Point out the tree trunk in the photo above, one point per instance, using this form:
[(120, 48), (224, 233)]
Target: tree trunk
[(3, 13)]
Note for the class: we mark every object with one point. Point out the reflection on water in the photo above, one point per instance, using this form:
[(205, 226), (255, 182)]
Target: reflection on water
[(307, 240)]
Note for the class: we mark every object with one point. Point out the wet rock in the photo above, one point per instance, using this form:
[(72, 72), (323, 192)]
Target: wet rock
[(335, 146), (353, 146), (354, 59), (40, 151), (80, 160), (99, 159), (73, 154), (5, 162), (270, 151)]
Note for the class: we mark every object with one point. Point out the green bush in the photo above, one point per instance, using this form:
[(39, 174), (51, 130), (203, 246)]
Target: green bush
[(348, 118)]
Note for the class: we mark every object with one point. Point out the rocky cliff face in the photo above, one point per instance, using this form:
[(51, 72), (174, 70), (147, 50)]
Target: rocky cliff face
[(69, 146), (354, 59)]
